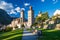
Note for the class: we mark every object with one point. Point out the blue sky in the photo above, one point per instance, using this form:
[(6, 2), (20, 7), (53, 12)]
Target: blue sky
[(13, 7)]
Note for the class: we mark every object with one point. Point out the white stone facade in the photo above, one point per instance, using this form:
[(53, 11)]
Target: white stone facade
[(30, 17)]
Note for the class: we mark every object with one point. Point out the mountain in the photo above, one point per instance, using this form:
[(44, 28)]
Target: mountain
[(4, 17)]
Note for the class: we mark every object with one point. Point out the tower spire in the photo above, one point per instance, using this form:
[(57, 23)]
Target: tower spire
[(22, 16), (30, 7)]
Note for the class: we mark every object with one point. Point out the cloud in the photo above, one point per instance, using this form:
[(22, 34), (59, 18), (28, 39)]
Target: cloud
[(23, 9), (12, 11), (55, 1), (42, 0), (10, 8), (26, 4), (6, 6), (17, 9)]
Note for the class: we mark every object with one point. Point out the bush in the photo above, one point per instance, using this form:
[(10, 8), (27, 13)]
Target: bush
[(8, 29)]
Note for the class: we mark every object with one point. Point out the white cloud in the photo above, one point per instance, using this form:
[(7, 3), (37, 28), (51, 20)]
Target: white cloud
[(26, 4), (4, 5), (17, 9), (55, 1), (12, 11), (23, 9), (9, 7), (42, 0)]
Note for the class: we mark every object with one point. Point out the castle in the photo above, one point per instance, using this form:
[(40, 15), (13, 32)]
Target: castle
[(19, 21)]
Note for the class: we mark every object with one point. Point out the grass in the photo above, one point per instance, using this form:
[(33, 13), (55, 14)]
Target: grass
[(50, 35), (12, 35)]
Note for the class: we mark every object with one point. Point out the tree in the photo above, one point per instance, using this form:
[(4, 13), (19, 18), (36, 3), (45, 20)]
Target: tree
[(54, 18), (42, 18), (34, 24), (45, 16)]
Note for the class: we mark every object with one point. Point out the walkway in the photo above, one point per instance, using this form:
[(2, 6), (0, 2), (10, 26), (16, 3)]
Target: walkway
[(28, 35)]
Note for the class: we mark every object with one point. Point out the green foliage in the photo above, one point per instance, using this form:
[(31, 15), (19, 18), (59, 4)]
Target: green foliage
[(54, 18), (44, 17), (38, 19), (8, 29), (34, 24)]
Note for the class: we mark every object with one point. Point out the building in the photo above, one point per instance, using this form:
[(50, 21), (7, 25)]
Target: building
[(22, 20), (22, 16), (30, 17), (57, 16)]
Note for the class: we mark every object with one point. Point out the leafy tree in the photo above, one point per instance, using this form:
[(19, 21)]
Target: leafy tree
[(41, 19), (34, 24), (45, 16), (54, 18)]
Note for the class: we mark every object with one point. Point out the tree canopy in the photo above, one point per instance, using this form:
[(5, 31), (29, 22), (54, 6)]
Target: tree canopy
[(44, 17)]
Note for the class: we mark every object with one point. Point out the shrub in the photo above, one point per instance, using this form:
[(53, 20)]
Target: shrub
[(8, 28)]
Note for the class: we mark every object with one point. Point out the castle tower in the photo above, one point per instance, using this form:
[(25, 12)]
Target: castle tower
[(22, 16), (30, 17)]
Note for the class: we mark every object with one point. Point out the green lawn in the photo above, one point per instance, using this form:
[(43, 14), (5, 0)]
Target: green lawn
[(50, 35), (12, 35)]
